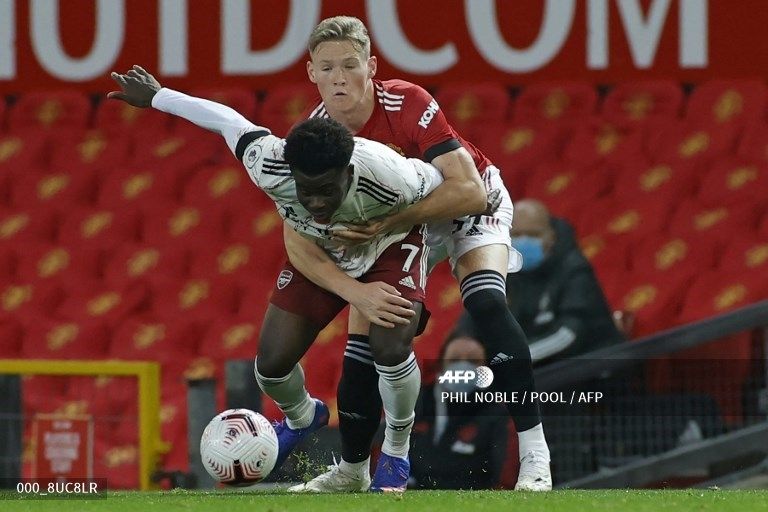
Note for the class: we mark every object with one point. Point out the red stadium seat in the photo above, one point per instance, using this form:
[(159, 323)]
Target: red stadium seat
[(90, 150), (106, 395), (653, 298), (566, 187), (7, 263), (54, 110), (200, 299), (184, 149), (20, 300), (555, 101), (753, 145), (689, 141), (236, 260), (262, 229), (223, 185), (470, 107), (43, 393), (151, 338), (46, 261), (182, 226), (284, 106), (630, 219), (720, 102), (22, 150), (641, 101), (120, 119), (609, 257), (718, 222), (517, 148), (674, 254), (132, 262), (18, 227), (118, 463), (230, 337), (600, 141), (140, 185), (747, 253), (109, 305), (11, 334), (664, 181), (99, 228), (39, 189), (47, 338), (732, 180)]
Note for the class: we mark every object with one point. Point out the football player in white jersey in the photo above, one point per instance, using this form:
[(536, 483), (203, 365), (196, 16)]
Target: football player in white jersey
[(319, 176)]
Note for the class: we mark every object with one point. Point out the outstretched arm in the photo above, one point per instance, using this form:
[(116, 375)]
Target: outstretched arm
[(140, 89)]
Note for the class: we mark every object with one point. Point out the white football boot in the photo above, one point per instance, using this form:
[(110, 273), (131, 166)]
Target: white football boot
[(336, 480), (534, 474)]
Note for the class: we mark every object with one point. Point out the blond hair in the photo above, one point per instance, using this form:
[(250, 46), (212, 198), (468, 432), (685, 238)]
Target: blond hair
[(341, 28)]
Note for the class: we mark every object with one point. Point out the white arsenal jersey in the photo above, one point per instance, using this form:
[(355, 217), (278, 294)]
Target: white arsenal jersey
[(383, 182)]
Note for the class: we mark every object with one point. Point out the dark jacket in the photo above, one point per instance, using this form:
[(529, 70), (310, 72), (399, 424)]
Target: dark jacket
[(470, 452), (560, 304)]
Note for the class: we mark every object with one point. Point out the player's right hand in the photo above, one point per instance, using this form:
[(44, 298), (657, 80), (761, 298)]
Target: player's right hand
[(381, 304), (137, 87)]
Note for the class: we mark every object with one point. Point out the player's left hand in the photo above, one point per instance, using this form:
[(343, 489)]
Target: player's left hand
[(493, 202)]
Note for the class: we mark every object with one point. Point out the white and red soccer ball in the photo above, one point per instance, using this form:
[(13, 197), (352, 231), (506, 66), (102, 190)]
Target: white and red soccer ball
[(239, 447)]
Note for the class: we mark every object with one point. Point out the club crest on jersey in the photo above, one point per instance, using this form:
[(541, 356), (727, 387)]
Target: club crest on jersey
[(428, 114), (253, 155), (284, 278)]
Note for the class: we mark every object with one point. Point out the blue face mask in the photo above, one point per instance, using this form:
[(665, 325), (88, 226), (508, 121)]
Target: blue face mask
[(532, 250)]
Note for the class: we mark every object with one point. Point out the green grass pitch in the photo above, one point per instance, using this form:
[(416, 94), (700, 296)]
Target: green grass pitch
[(411, 501)]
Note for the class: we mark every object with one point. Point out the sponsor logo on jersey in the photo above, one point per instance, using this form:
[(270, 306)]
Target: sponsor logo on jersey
[(429, 114), (407, 281), (284, 278)]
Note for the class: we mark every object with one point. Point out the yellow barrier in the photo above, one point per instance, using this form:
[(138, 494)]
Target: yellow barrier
[(148, 375)]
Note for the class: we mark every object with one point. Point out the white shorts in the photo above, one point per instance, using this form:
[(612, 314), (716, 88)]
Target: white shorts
[(466, 233)]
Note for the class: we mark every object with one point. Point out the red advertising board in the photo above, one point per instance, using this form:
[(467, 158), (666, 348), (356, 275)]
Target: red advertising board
[(258, 43), (63, 447)]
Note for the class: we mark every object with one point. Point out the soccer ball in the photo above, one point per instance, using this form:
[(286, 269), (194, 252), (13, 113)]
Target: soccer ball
[(239, 447)]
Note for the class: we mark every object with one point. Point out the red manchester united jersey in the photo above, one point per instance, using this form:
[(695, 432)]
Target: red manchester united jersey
[(408, 119)]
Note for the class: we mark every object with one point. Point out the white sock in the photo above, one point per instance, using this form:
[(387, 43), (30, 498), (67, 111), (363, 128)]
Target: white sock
[(290, 395), (399, 387), (533, 439), (355, 468)]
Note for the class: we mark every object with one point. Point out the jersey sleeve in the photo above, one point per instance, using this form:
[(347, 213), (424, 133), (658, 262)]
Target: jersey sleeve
[(262, 156), (425, 124)]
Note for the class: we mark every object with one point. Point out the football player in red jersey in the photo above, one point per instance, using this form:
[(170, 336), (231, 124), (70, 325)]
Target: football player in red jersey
[(406, 117)]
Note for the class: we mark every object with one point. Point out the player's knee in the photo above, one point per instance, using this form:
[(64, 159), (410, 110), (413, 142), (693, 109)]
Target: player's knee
[(271, 367), (485, 304), (391, 354)]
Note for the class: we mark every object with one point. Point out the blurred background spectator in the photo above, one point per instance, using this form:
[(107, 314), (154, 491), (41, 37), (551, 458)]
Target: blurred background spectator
[(457, 445)]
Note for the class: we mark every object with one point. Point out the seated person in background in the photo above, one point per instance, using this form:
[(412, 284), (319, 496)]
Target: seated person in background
[(457, 445), (556, 296)]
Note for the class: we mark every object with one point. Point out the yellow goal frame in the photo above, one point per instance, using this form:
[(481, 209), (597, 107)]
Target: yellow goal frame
[(148, 375)]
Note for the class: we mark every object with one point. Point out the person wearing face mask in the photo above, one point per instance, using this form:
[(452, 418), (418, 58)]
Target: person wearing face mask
[(556, 296), (457, 445)]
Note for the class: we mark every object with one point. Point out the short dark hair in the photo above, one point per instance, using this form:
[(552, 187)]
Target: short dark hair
[(317, 145)]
